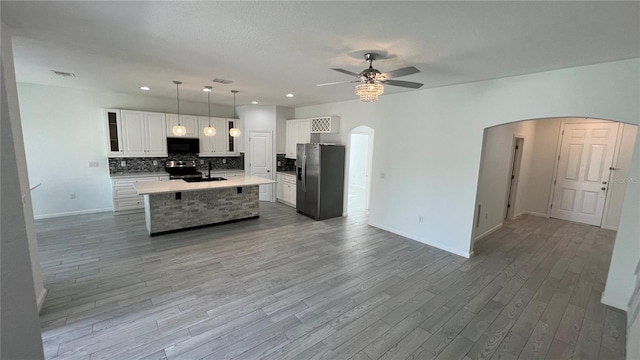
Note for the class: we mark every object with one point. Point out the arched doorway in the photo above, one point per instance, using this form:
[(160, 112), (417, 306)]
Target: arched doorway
[(542, 184), (359, 169)]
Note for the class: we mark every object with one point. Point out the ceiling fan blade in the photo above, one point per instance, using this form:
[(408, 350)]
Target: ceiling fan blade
[(345, 72), (407, 84), (339, 82), (401, 72)]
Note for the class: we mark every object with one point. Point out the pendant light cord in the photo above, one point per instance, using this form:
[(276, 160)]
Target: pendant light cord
[(178, 97), (209, 107)]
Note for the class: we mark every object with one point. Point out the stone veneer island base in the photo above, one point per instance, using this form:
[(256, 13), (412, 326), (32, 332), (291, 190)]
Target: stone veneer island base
[(172, 206)]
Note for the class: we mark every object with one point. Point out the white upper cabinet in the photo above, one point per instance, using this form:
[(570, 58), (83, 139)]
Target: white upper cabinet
[(114, 133), (190, 122), (144, 134), (232, 143), (298, 132), (218, 145), (304, 131), (156, 134)]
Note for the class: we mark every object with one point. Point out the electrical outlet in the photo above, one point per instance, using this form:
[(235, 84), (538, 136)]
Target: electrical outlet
[(123, 163), (382, 175), (279, 163), (94, 164), (420, 219), (201, 162), (155, 162), (224, 161), (72, 196)]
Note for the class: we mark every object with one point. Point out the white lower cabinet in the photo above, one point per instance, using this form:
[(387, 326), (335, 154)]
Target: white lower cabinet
[(286, 190), (125, 197)]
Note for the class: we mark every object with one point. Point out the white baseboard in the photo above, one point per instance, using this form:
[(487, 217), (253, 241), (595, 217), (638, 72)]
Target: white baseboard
[(465, 254), (614, 302), (41, 297), (488, 232), (79, 212), (607, 227)]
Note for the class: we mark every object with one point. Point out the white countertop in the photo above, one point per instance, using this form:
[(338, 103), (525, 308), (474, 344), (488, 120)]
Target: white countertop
[(157, 187)]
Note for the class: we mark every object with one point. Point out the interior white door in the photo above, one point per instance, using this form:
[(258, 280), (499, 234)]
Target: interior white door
[(586, 154), (261, 160)]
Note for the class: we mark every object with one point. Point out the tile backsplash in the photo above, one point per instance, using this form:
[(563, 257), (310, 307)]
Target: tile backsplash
[(145, 164), (285, 164)]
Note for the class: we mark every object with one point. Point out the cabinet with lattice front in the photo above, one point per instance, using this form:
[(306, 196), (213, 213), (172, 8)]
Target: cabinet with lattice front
[(325, 125)]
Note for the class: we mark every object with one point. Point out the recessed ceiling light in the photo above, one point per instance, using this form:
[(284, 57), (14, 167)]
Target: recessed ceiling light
[(289, 95), (145, 88), (207, 88), (254, 102)]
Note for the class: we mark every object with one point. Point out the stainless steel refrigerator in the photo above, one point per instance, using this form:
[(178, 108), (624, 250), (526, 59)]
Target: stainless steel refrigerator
[(320, 180)]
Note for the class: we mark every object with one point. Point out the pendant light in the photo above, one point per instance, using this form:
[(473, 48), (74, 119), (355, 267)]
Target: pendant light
[(234, 131), (178, 130), (209, 130)]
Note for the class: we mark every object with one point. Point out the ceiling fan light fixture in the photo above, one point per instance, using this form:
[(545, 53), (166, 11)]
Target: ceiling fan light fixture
[(369, 92)]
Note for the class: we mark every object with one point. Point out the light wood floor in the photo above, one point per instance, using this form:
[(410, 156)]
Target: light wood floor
[(286, 287)]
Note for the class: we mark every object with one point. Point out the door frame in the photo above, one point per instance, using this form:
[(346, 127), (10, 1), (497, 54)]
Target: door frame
[(370, 132), (556, 163), (273, 158), (514, 170)]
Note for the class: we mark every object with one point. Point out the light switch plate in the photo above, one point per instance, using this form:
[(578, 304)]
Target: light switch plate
[(123, 163)]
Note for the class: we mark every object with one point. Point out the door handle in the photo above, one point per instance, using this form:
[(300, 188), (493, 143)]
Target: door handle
[(268, 170), (603, 188), (604, 183), (304, 173)]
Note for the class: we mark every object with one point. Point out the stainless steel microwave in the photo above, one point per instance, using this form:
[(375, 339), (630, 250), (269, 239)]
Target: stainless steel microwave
[(183, 146)]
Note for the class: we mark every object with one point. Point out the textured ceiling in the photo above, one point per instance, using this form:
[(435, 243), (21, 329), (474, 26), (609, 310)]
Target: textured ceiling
[(272, 48)]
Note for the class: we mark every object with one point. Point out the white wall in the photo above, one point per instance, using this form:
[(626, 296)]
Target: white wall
[(282, 114), (265, 118), (64, 130), (495, 173), (19, 263), (413, 128)]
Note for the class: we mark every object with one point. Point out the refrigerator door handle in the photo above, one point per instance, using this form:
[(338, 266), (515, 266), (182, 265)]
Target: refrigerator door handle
[(304, 173)]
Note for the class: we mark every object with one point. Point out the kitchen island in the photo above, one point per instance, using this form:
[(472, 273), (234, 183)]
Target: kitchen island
[(176, 205)]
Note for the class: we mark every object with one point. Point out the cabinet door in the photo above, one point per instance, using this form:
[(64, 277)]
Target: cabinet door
[(114, 133), (304, 131), (232, 146), (133, 133), (156, 134), (190, 122), (222, 134), (292, 194), (291, 139), (207, 143), (279, 188)]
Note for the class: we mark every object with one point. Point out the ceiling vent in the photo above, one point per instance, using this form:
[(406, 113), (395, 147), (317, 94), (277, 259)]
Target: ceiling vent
[(222, 81), (63, 74)]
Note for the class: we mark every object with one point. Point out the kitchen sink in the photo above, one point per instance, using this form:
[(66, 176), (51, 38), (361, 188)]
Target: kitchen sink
[(213, 178)]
